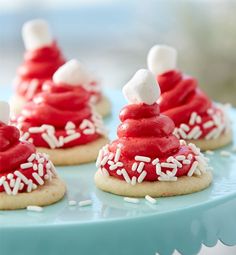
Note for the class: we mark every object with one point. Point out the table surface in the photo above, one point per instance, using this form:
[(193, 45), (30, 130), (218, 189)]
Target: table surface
[(181, 222)]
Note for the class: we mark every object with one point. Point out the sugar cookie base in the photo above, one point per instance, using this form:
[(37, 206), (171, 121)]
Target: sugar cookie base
[(213, 144), (49, 193), (184, 185), (103, 107), (75, 155)]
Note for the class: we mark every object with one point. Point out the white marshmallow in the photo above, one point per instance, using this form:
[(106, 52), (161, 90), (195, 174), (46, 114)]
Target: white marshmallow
[(36, 34), (142, 88), (4, 112), (72, 73), (161, 58)]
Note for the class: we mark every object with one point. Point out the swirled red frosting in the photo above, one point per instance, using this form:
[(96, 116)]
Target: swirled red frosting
[(181, 97), (147, 133), (38, 66), (50, 112), (14, 154)]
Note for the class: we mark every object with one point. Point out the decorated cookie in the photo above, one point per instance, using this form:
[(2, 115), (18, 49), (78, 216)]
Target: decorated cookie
[(41, 59), (26, 177), (74, 73), (146, 158), (61, 121), (196, 117)]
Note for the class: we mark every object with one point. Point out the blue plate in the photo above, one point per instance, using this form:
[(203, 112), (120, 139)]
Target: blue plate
[(112, 226)]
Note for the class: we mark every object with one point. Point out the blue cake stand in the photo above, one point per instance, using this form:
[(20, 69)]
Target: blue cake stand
[(112, 226)]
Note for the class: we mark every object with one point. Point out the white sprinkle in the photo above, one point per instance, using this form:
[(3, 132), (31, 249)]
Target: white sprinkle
[(10, 176), (48, 128), (134, 166), (193, 168), (210, 111), (155, 161), (180, 157), (182, 142), (142, 176), (211, 134), (225, 153), (209, 152), (16, 187), (133, 180), (7, 188), (31, 157), (25, 136), (131, 200), (125, 175), (34, 208), (30, 186), (193, 132), (12, 183), (194, 149), (115, 166), (70, 125), (104, 161), (142, 158), (34, 130), (72, 203), (99, 158), (53, 138), (38, 178), (41, 160), (199, 119), (182, 133), (184, 127), (140, 167), (70, 131), (40, 169), (186, 162), (35, 167), (26, 165), (150, 199), (2, 180), (90, 131), (105, 173), (197, 135), (208, 124), (23, 178), (117, 156), (176, 162), (71, 138), (168, 165), (190, 157), (193, 118), (48, 140), (85, 203)]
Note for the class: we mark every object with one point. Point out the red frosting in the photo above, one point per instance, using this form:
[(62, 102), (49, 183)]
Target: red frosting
[(146, 132), (39, 65), (13, 153), (181, 97), (57, 105)]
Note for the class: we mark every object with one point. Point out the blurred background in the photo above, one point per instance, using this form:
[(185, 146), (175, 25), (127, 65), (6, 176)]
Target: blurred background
[(113, 37)]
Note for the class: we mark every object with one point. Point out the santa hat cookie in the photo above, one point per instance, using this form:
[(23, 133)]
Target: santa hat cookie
[(74, 73), (146, 158), (197, 118), (61, 121), (26, 177), (41, 60)]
